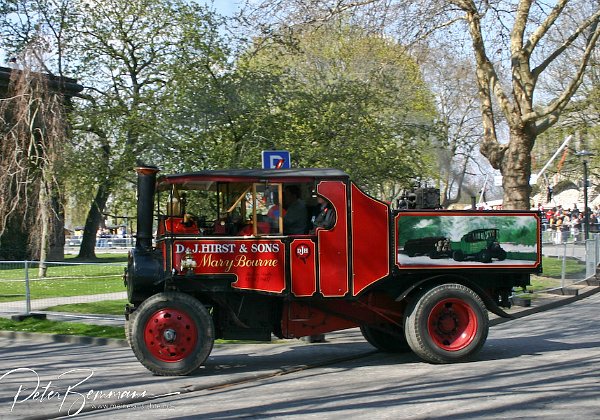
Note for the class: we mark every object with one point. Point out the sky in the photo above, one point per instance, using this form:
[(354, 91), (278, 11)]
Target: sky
[(223, 7)]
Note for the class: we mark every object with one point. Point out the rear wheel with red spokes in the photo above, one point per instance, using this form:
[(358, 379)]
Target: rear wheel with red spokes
[(172, 333), (447, 323)]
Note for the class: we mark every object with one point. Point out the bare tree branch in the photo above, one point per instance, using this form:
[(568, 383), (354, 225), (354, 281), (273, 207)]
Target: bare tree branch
[(542, 29), (549, 114), (592, 22), (516, 37)]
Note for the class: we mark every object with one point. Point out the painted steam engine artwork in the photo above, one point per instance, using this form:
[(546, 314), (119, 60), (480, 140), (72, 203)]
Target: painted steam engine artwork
[(430, 239)]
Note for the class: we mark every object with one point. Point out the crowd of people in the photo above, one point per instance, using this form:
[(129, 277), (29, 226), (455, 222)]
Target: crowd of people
[(569, 222)]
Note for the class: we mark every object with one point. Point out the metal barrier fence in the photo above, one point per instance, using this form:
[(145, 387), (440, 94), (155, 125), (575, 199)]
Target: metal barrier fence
[(104, 241), (559, 236), (577, 251), (26, 286)]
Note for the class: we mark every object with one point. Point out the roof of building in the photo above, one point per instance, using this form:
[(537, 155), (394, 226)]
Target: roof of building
[(65, 84)]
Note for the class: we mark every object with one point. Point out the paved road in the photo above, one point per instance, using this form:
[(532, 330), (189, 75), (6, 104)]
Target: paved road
[(545, 365)]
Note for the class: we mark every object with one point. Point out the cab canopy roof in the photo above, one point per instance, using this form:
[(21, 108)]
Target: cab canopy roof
[(202, 178)]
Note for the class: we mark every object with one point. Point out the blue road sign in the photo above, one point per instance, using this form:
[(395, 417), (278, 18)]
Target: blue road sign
[(276, 159)]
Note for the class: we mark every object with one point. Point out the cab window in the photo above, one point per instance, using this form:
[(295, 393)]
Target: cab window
[(223, 209)]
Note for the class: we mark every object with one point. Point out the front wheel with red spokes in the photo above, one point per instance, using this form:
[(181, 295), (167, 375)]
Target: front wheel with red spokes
[(447, 323), (172, 333)]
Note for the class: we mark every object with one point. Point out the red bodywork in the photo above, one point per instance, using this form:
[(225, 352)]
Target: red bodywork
[(320, 262), (324, 278), (338, 262), (225, 264)]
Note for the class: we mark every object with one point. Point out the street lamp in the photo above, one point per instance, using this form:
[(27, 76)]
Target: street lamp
[(585, 154)]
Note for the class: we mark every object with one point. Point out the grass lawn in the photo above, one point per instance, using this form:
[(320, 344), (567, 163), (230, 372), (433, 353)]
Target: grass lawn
[(553, 267), (62, 271), (15, 290), (64, 328), (117, 257), (551, 277), (104, 307), (539, 283), (63, 279)]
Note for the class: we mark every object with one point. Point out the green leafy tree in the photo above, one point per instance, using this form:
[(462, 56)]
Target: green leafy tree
[(358, 103), (128, 55), (335, 97), (514, 43)]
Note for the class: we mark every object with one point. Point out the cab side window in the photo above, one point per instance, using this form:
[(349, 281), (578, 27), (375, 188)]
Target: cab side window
[(325, 216), (251, 209)]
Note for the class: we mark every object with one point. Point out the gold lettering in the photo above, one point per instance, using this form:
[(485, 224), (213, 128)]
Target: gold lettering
[(243, 261), (209, 261)]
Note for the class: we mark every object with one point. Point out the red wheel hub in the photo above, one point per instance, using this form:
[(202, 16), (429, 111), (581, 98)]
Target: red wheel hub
[(452, 324), (170, 335)]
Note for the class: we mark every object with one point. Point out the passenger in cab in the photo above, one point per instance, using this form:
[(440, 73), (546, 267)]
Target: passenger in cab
[(273, 215), (295, 220)]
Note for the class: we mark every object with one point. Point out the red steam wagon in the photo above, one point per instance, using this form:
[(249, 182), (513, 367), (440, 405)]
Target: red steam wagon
[(248, 254)]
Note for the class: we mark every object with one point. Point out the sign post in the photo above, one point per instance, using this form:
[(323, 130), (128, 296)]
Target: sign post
[(276, 159)]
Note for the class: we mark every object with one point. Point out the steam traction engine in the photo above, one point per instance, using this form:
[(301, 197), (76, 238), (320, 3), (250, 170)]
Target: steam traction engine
[(221, 265)]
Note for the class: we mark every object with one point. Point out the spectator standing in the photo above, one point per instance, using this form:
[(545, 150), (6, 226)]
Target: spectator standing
[(575, 211), (593, 222), (576, 223), (565, 228)]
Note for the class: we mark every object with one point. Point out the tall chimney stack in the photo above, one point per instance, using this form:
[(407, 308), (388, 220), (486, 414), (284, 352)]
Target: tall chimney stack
[(146, 177)]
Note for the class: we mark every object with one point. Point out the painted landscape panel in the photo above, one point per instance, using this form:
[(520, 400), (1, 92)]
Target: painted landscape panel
[(467, 239)]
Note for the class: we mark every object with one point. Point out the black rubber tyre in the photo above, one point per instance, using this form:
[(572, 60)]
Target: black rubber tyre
[(128, 330), (445, 324), (172, 334), (485, 256), (458, 255), (501, 255), (128, 326), (385, 342)]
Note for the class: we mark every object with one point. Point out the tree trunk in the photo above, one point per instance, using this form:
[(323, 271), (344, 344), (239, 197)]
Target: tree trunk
[(44, 228), (56, 250), (515, 167), (87, 250)]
